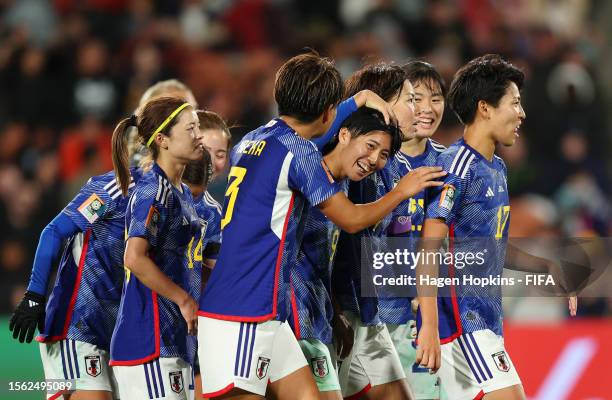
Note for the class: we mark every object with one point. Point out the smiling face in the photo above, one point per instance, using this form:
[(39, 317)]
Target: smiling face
[(184, 141), (507, 117), (363, 154), (403, 107), (429, 108), (217, 145)]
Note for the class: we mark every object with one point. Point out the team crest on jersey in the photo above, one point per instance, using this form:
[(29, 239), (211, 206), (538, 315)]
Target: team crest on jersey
[(93, 364), (176, 381), (262, 367), (152, 220), (92, 208), (447, 198), (501, 360), (319, 366)]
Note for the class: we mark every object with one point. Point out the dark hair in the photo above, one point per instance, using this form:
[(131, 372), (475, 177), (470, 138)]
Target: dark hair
[(199, 172), (306, 86), (364, 121), (149, 118), (212, 120), (386, 80), (421, 71), (484, 78)]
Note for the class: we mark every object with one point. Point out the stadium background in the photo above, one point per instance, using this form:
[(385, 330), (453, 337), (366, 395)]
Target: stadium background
[(70, 68)]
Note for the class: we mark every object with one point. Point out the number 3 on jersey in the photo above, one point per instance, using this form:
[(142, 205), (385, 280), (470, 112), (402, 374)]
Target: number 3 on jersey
[(232, 192)]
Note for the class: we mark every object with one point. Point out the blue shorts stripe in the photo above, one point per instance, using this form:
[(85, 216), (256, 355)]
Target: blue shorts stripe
[(251, 349), (244, 352), (471, 336), (61, 343), (146, 372), (468, 360), (153, 378), (76, 360), (68, 357), (161, 379), (238, 350), (473, 354)]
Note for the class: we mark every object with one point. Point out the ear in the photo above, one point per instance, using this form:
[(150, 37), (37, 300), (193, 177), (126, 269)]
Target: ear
[(160, 139), (328, 114), (484, 109), (344, 136)]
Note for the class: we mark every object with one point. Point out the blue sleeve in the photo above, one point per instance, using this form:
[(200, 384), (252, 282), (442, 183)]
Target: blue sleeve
[(213, 236), (445, 201), (49, 246), (344, 110), (308, 176), (146, 215), (92, 202)]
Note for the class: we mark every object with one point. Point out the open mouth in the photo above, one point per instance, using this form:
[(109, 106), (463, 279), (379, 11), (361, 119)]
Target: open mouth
[(516, 130), (425, 123), (364, 169)]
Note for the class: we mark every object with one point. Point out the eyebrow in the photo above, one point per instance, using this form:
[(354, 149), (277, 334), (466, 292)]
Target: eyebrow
[(375, 141)]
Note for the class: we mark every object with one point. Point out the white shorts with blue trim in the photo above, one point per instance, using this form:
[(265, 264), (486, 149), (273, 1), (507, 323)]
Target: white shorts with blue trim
[(83, 363), (474, 364), (161, 378), (245, 355)]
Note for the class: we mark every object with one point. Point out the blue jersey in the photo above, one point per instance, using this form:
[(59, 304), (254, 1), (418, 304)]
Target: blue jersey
[(85, 298), (275, 174), (204, 244), (404, 221), (474, 203), (311, 306), (148, 325)]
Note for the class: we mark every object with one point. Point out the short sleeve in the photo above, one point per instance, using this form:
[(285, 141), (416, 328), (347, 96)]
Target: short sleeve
[(308, 175), (146, 216), (91, 204), (443, 202), (213, 236), (344, 110)]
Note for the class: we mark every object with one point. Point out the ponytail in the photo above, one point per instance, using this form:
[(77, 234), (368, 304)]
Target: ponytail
[(120, 153)]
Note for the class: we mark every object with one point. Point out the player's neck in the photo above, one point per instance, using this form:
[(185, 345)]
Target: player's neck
[(480, 140), (414, 147), (305, 130), (172, 169), (332, 161)]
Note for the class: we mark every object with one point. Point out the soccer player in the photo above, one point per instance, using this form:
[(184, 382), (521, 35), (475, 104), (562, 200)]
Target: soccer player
[(77, 321), (244, 340), (363, 145), (474, 204), (149, 342), (421, 150), (373, 368)]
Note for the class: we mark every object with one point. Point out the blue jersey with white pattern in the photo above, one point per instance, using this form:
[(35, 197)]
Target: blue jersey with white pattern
[(148, 325), (474, 203), (202, 246), (311, 306), (85, 298), (275, 174)]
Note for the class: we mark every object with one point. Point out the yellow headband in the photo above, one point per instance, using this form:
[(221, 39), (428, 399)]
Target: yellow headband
[(166, 122)]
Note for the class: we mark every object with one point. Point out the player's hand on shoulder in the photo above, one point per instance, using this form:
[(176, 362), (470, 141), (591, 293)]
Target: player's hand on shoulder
[(428, 354), (29, 314), (419, 179), (189, 310)]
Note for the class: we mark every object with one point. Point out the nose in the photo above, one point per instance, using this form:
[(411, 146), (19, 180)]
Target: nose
[(522, 114)]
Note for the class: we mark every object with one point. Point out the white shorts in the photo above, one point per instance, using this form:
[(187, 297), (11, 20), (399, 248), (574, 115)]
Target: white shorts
[(82, 362), (322, 364), (245, 355), (162, 378), (373, 360), (474, 364)]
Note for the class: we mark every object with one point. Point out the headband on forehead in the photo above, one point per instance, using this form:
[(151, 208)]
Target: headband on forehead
[(166, 122)]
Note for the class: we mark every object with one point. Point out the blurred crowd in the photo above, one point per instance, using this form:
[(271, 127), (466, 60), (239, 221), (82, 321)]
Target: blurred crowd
[(70, 68)]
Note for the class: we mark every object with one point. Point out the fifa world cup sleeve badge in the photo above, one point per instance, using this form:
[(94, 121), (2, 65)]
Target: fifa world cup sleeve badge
[(92, 208), (447, 198)]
